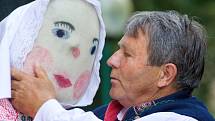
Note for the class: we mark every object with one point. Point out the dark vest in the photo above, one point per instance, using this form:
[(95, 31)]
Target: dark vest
[(180, 102)]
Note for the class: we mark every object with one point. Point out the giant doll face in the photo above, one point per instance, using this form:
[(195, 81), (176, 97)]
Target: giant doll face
[(66, 47)]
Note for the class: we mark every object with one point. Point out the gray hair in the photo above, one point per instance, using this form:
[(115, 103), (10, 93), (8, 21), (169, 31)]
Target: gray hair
[(173, 38)]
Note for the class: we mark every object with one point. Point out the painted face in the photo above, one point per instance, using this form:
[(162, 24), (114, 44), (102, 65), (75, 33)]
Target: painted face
[(131, 76), (66, 47)]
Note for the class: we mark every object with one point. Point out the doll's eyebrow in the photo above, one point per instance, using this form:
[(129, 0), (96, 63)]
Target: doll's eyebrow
[(64, 23), (95, 40)]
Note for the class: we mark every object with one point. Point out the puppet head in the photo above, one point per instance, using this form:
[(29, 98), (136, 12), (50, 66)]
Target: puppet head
[(66, 38), (66, 47)]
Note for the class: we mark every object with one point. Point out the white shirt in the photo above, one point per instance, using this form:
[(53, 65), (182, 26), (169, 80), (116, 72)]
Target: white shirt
[(53, 111)]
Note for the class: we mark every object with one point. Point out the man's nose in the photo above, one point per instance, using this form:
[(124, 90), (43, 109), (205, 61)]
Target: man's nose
[(114, 60)]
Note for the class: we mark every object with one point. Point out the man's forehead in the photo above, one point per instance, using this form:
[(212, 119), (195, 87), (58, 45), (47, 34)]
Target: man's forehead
[(125, 42), (133, 44)]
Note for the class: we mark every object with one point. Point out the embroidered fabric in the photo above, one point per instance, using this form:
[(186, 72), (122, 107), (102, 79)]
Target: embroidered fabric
[(147, 105), (142, 107), (7, 112)]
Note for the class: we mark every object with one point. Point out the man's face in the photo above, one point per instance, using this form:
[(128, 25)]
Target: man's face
[(66, 47), (132, 78)]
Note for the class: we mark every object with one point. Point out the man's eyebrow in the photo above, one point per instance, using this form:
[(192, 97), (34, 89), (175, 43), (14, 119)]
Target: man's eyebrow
[(65, 23), (121, 45), (125, 47)]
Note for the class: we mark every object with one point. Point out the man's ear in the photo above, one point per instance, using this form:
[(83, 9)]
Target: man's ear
[(167, 75)]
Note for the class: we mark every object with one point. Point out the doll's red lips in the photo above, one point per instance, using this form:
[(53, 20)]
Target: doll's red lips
[(62, 81)]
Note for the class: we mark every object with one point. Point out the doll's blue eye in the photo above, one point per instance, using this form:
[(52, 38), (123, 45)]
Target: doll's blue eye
[(61, 33), (95, 44), (62, 29)]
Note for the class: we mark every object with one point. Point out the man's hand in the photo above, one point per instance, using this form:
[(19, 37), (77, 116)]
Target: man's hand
[(29, 92)]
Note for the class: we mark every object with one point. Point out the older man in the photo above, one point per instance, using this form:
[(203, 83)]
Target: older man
[(160, 61)]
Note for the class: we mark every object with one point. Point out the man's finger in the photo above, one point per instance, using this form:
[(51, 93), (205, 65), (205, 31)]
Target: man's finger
[(16, 74), (40, 72), (13, 94), (14, 84)]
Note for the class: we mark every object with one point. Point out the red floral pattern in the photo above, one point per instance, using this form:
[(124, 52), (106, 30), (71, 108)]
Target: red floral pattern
[(7, 112)]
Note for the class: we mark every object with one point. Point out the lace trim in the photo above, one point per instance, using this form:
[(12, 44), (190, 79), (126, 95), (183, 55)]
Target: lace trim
[(26, 34)]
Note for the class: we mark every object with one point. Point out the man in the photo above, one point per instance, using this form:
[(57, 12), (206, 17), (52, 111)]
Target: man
[(44, 32), (159, 63)]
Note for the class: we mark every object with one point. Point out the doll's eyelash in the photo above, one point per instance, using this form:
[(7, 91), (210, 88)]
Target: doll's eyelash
[(64, 24), (95, 40)]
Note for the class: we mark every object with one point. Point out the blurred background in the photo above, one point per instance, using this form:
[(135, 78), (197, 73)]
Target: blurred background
[(116, 12)]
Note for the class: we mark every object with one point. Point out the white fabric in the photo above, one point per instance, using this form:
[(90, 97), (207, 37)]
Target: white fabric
[(4, 85), (53, 111), (166, 116), (18, 33)]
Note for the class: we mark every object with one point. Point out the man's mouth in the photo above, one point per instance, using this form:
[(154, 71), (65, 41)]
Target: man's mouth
[(62, 81), (112, 77)]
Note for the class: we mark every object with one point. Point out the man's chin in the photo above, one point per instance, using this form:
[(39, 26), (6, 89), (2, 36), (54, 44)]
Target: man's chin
[(115, 93), (112, 93), (120, 97)]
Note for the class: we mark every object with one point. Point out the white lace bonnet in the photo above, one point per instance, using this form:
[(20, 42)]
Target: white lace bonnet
[(18, 32)]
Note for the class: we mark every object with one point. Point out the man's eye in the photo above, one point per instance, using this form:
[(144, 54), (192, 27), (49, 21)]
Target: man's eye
[(61, 33), (127, 54)]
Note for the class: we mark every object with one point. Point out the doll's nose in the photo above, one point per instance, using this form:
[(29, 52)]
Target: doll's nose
[(75, 52)]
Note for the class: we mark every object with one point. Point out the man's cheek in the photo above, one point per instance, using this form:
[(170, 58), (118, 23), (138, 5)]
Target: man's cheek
[(38, 55)]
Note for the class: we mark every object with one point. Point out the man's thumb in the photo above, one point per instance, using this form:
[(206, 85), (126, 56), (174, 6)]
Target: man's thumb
[(40, 72)]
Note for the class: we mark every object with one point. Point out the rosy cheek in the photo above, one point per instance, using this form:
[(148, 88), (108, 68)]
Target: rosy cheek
[(38, 55), (81, 84), (75, 52)]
